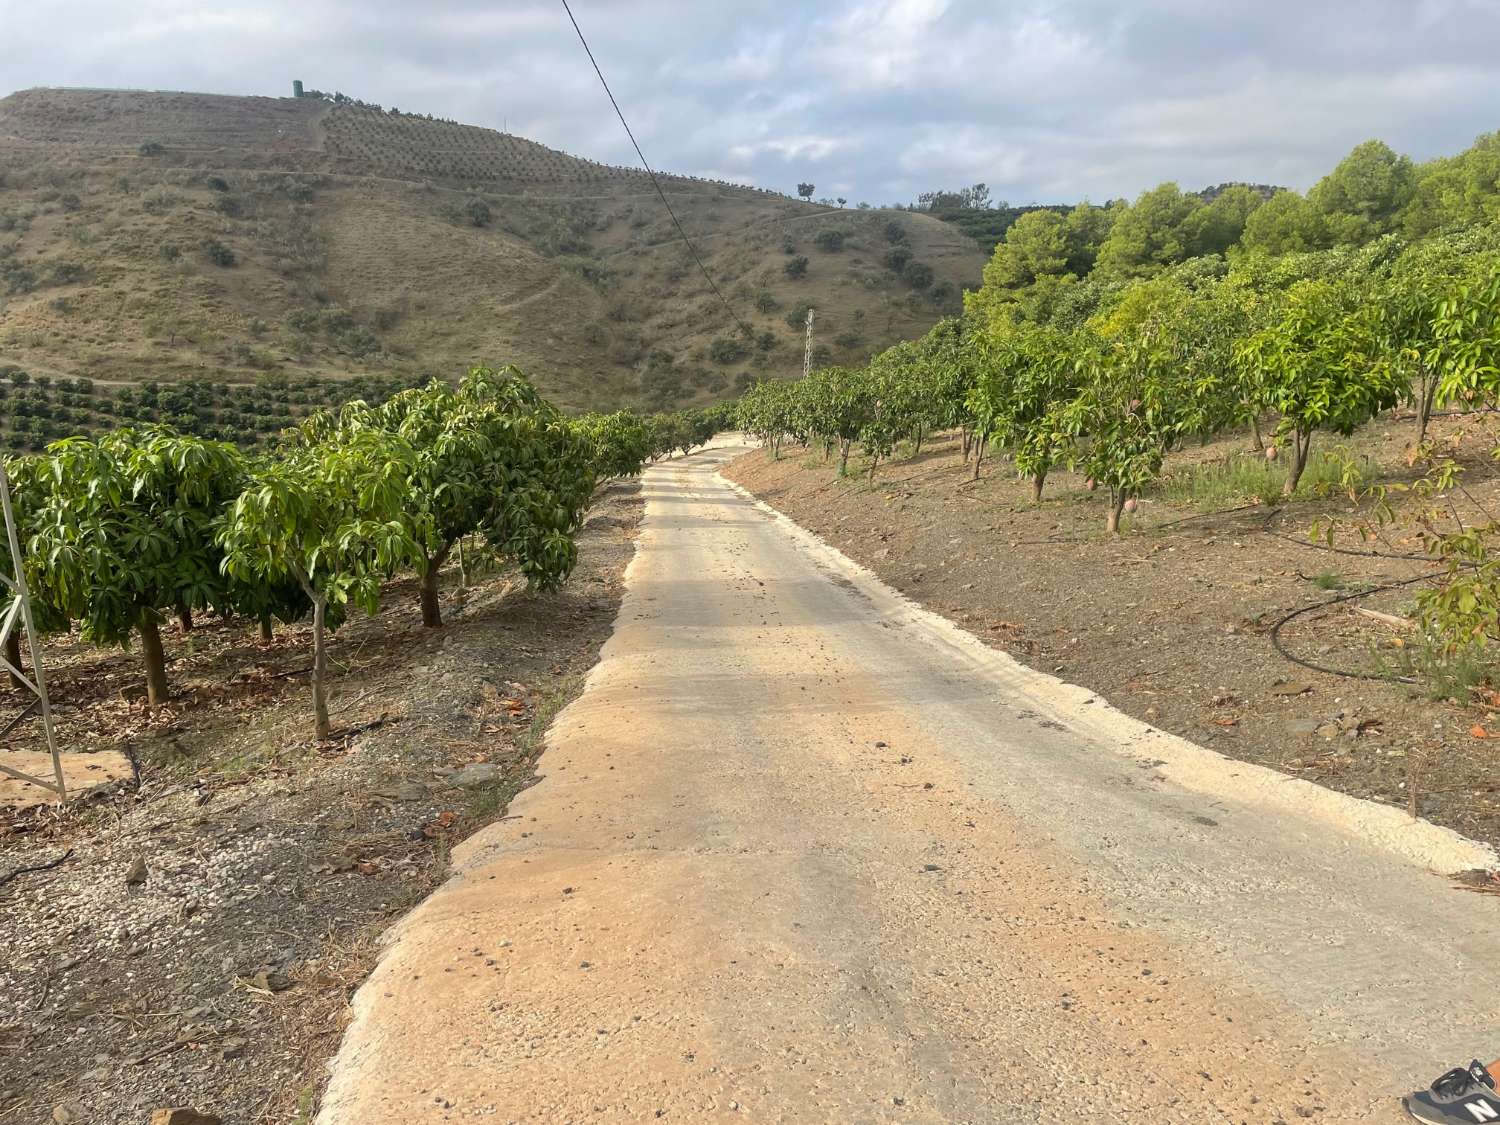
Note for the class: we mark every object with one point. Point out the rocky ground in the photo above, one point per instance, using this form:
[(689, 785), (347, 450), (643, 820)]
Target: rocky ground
[(1172, 622), (192, 939)]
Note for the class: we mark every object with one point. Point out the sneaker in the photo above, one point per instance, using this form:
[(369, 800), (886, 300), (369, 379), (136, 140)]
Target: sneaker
[(1465, 1094)]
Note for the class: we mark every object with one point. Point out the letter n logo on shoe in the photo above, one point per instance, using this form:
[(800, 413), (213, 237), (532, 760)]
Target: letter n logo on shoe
[(1482, 1111)]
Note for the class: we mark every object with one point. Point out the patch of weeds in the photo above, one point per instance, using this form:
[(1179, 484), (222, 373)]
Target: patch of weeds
[(1328, 580), (1250, 478), (1461, 676), (304, 1107)]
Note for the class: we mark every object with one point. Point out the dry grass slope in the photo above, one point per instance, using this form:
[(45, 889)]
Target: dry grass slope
[(150, 235)]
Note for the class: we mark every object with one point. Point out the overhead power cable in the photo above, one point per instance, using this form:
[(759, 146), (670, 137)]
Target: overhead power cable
[(651, 172)]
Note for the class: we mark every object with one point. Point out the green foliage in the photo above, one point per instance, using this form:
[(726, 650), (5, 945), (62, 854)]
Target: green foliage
[(1363, 196), (478, 212), (918, 275), (725, 350), (796, 267), (124, 530), (830, 239), (217, 253), (1158, 230)]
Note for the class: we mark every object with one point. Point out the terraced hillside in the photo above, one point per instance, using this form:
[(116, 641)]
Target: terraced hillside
[(170, 237)]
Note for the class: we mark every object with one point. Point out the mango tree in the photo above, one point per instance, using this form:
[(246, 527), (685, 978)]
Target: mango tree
[(1429, 316), (619, 443), (1024, 373), (124, 532), (834, 404), (1319, 362), (331, 515)]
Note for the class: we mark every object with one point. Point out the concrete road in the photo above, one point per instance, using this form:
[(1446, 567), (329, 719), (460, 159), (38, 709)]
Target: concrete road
[(803, 852)]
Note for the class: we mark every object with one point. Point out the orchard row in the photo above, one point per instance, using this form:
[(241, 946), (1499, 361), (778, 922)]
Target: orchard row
[(121, 531)]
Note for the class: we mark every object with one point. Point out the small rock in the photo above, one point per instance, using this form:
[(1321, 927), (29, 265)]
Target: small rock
[(233, 1048), (1303, 726), (475, 773), (135, 874), (68, 1113), (182, 1115)]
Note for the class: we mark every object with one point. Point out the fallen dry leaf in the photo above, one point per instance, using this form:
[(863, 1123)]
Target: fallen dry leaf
[(1478, 731)]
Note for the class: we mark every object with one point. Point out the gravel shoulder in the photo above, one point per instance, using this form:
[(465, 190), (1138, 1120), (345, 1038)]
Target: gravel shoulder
[(203, 930), (1171, 622)]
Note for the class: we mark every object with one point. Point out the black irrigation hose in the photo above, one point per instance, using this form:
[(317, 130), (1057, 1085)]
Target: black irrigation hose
[(1294, 614), (1347, 550)]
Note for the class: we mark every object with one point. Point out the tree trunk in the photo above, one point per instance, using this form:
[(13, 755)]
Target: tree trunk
[(917, 447), (1424, 408), (1301, 442), (266, 632), (432, 610), (13, 652), (827, 451), (463, 570), (979, 443), (1036, 486), (1116, 506), (966, 436), (1260, 442), (185, 618), (874, 461), (156, 663), (844, 447), (321, 724)]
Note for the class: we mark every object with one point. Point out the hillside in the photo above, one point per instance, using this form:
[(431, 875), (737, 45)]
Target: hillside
[(167, 236)]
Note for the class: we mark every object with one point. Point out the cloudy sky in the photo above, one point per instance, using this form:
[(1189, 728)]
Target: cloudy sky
[(1044, 100)]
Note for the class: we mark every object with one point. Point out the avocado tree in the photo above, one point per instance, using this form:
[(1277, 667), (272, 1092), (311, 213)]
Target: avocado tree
[(124, 531), (331, 514)]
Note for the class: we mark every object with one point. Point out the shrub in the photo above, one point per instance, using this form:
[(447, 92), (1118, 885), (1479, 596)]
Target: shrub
[(895, 232), (797, 267), (830, 240), (766, 302), (797, 317), (726, 350), (65, 273), (170, 251), (303, 320), (897, 258), (359, 342), (69, 201), (917, 274), (765, 341), (848, 341), (229, 206), (151, 148), (478, 212), (217, 253), (217, 183)]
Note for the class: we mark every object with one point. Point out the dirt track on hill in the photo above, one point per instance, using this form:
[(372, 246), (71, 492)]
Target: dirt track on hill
[(802, 852)]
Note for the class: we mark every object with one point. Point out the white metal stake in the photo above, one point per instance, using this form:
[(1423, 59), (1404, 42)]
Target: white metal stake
[(38, 680)]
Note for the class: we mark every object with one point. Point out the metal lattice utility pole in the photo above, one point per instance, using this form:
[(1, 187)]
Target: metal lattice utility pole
[(20, 609), (807, 349)]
